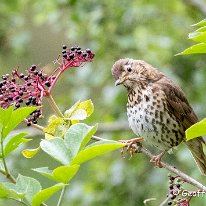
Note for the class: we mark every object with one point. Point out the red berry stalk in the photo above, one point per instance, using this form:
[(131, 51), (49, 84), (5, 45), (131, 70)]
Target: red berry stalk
[(28, 89)]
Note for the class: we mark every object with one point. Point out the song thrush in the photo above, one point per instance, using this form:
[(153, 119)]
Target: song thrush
[(157, 108)]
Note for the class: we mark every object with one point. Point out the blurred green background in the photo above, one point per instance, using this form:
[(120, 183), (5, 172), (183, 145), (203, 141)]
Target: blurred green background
[(32, 32)]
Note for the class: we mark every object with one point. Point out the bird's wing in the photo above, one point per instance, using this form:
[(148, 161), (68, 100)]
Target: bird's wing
[(177, 103)]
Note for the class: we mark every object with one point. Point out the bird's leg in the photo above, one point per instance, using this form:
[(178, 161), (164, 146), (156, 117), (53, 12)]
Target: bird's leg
[(130, 145), (157, 158)]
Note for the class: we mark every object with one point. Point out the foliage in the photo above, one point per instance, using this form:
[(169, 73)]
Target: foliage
[(69, 149), (198, 36), (66, 140), (198, 129)]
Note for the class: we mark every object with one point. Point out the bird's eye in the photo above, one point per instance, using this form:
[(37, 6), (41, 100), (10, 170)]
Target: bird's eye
[(129, 69)]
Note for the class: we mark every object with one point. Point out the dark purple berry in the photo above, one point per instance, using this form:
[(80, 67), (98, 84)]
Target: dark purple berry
[(34, 102), (4, 77), (34, 122), (21, 93), (20, 100), (73, 48), (173, 197), (10, 98), (64, 51), (33, 98), (36, 72), (71, 56), (17, 105), (47, 83), (23, 88), (65, 55), (84, 55), (88, 51), (28, 124), (28, 84), (64, 47), (11, 88), (33, 66), (40, 74), (21, 75), (28, 102), (26, 78)]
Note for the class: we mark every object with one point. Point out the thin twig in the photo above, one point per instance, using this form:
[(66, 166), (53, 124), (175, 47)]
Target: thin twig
[(8, 176), (54, 106), (61, 196), (20, 201), (3, 158), (165, 202), (173, 169), (167, 166)]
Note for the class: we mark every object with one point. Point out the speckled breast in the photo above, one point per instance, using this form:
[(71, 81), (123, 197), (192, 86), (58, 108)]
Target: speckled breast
[(149, 118)]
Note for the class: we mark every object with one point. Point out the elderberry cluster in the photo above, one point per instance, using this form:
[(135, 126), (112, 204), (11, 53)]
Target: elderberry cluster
[(29, 88), (176, 190), (76, 56)]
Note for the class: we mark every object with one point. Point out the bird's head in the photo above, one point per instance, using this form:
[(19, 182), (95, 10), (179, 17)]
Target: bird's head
[(131, 73)]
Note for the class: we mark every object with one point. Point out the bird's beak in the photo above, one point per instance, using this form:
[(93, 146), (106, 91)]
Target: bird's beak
[(120, 81)]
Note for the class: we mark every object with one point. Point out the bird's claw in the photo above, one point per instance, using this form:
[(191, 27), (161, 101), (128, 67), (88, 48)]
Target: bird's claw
[(132, 146), (157, 160)]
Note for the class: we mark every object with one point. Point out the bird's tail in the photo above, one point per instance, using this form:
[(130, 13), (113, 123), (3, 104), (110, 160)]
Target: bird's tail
[(195, 146)]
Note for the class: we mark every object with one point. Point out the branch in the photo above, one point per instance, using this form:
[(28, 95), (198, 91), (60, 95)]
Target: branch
[(36, 130), (173, 169), (167, 166)]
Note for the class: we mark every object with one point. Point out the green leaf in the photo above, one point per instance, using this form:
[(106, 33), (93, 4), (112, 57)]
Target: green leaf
[(196, 130), (61, 174), (76, 111), (45, 171), (198, 36), (45, 194), (11, 143), (54, 123), (56, 149), (29, 153), (16, 118), (87, 106), (7, 191), (201, 29), (201, 23), (65, 173), (69, 112), (5, 115), (77, 136), (96, 149), (198, 48), (79, 114), (27, 185)]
